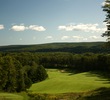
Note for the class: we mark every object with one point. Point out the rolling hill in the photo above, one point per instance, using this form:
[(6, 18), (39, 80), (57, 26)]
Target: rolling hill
[(81, 47)]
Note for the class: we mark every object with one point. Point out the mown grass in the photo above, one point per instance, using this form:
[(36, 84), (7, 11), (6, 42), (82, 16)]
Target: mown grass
[(63, 82)]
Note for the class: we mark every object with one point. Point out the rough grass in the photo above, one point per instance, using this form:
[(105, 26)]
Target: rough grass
[(98, 94), (9, 96), (14, 96), (63, 82)]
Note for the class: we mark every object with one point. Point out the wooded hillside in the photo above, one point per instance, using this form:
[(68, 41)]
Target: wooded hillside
[(94, 47)]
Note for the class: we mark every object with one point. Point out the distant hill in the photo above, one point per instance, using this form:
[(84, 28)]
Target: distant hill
[(81, 47)]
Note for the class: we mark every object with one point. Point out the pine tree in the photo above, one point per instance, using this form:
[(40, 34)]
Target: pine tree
[(106, 8)]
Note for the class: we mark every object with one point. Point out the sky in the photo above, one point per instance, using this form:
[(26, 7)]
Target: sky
[(25, 22)]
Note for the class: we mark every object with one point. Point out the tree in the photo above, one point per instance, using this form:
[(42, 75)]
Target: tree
[(106, 8), (41, 73), (8, 74), (3, 74), (20, 82), (32, 72)]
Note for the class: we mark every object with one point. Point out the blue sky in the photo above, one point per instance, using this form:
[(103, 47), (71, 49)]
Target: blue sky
[(47, 21)]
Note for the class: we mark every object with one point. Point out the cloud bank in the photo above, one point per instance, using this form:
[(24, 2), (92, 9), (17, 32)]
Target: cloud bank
[(79, 38), (82, 27)]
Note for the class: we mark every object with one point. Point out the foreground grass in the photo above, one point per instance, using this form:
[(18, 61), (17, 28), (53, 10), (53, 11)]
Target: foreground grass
[(63, 82), (98, 94), (9, 96), (65, 86), (14, 96)]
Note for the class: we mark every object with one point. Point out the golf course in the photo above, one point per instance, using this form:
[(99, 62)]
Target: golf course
[(63, 85), (60, 81)]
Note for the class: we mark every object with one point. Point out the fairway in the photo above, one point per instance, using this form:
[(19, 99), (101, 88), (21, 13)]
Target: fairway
[(63, 82)]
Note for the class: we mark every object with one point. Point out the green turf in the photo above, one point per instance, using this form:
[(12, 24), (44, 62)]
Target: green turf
[(59, 82), (9, 96)]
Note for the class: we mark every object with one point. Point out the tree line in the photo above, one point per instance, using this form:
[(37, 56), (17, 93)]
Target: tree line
[(81, 62), (86, 61)]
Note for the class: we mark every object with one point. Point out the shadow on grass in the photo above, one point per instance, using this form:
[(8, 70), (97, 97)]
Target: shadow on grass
[(99, 94), (102, 93), (73, 72), (104, 76)]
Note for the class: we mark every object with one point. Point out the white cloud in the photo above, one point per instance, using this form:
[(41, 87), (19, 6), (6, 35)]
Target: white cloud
[(2, 27), (82, 27), (49, 37), (94, 37), (85, 39), (37, 28), (61, 27), (65, 37), (77, 37), (18, 28)]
